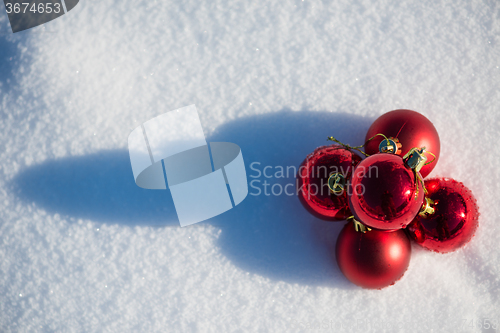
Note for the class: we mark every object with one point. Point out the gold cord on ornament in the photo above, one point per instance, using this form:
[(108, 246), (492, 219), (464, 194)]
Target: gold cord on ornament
[(397, 145), (415, 159), (358, 226), (357, 148), (336, 183), (427, 208), (390, 145), (419, 177), (428, 152), (373, 137)]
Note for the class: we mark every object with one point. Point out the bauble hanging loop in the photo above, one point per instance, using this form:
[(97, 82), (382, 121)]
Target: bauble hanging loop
[(314, 187), (427, 208), (415, 158), (336, 183), (358, 226), (390, 146)]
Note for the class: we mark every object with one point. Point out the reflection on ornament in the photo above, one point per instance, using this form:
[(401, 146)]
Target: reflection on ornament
[(384, 192), (411, 129), (374, 259), (453, 219), (325, 169)]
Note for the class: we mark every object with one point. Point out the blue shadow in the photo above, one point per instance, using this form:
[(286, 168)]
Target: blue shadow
[(98, 187), (9, 52), (269, 235), (8, 60), (273, 235)]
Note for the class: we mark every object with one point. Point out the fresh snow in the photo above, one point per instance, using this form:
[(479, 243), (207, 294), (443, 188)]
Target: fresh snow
[(83, 249)]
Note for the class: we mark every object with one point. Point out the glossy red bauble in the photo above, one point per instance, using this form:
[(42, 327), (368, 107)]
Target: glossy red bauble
[(375, 259), (383, 192), (312, 181), (454, 221), (411, 128)]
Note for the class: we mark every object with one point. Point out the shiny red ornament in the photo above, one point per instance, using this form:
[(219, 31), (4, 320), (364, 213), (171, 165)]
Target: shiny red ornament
[(383, 192), (413, 131), (312, 181), (375, 259), (455, 218)]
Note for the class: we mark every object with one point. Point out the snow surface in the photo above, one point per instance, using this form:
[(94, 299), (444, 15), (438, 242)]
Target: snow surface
[(83, 249)]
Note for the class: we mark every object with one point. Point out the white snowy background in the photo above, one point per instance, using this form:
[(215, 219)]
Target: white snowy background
[(83, 249)]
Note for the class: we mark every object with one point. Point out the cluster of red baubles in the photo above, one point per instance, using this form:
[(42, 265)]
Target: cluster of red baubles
[(385, 199)]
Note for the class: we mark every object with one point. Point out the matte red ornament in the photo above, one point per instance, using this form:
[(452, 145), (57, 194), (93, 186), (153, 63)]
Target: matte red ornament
[(375, 259), (413, 131), (312, 181), (383, 192), (455, 218)]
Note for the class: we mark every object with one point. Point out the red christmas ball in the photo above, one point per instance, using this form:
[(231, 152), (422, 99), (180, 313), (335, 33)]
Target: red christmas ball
[(412, 129), (312, 181), (383, 192), (375, 259), (454, 220)]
